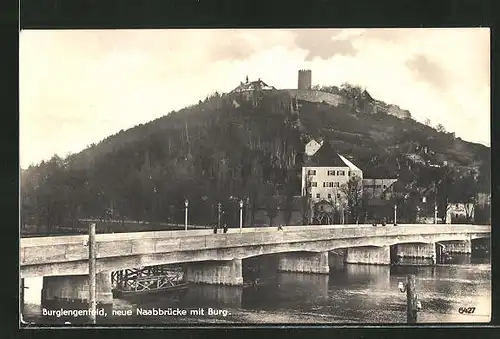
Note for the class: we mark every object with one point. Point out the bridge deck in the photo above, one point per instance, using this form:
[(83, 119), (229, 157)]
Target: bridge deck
[(59, 255)]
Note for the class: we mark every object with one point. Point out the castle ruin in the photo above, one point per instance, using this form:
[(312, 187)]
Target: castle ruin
[(305, 79)]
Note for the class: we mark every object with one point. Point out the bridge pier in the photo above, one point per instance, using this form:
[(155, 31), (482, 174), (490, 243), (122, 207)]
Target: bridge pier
[(215, 272), (369, 255), (413, 253), (75, 288), (305, 262), (457, 247)]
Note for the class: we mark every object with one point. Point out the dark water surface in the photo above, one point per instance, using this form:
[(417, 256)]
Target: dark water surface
[(351, 293)]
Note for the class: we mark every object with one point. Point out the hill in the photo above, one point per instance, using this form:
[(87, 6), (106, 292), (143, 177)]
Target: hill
[(245, 145)]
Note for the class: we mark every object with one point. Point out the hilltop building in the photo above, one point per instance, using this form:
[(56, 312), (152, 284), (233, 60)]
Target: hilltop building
[(305, 79), (247, 86), (305, 92)]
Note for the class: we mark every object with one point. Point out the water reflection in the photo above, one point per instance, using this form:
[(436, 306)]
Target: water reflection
[(377, 276), (350, 293), (213, 296)]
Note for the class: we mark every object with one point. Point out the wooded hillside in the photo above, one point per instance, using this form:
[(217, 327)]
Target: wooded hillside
[(232, 146)]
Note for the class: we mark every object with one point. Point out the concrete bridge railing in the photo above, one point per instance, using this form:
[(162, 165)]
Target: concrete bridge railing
[(39, 251)]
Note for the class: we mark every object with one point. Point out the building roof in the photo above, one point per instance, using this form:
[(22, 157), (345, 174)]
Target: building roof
[(349, 164), (325, 157), (253, 85), (366, 95)]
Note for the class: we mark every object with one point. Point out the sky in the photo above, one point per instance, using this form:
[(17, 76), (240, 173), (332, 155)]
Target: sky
[(77, 87)]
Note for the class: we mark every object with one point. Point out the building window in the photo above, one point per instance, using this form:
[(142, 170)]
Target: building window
[(385, 186), (310, 195), (329, 196), (311, 172), (340, 172), (331, 172), (336, 184), (318, 195), (338, 195), (314, 184)]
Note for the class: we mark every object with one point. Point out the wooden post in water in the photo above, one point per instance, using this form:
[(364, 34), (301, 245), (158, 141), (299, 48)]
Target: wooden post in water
[(411, 300), (92, 273), (21, 301)]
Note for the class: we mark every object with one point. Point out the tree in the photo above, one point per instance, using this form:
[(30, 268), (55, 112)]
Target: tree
[(351, 91), (352, 191), (271, 209), (440, 128), (289, 199), (306, 203), (270, 202)]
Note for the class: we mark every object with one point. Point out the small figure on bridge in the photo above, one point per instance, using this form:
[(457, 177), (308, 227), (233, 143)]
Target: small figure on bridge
[(215, 229), (280, 228), (224, 229)]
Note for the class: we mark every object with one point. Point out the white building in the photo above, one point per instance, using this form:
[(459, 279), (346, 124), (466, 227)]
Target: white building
[(252, 86), (457, 212), (312, 147), (325, 173), (378, 188)]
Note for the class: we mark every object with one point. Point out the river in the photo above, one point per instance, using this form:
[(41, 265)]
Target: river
[(351, 293)]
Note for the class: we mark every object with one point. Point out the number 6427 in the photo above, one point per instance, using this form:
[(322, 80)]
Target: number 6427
[(466, 310)]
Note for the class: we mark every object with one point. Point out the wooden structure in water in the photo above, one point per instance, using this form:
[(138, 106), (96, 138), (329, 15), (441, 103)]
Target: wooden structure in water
[(147, 280)]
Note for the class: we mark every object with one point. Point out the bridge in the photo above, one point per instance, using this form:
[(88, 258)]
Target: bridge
[(217, 258)]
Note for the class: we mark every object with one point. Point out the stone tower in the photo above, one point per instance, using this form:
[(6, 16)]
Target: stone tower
[(304, 79)]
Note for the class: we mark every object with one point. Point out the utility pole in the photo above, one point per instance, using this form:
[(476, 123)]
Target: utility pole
[(412, 303), (435, 204), (186, 204), (219, 208), (395, 214), (92, 272), (241, 216)]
